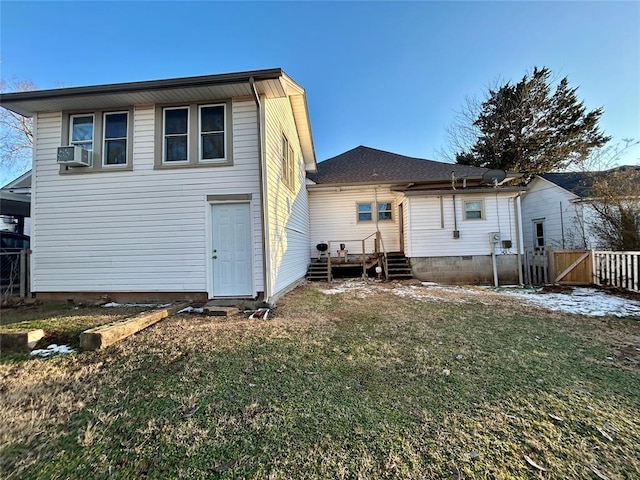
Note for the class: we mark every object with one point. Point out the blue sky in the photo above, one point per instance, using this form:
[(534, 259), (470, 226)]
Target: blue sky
[(389, 75)]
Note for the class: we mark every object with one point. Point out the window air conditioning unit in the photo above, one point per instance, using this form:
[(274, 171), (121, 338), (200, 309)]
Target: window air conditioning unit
[(74, 156)]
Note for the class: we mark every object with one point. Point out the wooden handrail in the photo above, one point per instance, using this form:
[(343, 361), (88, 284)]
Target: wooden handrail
[(364, 255), (385, 263)]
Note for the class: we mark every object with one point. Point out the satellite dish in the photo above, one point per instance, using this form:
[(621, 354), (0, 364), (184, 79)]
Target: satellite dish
[(493, 177)]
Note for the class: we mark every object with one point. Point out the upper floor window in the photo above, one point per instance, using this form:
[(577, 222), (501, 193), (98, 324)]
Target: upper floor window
[(81, 131), (193, 135), (107, 134), (288, 164), (212, 144), (115, 138), (176, 135), (474, 209)]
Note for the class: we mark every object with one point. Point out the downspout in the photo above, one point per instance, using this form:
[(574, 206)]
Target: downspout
[(264, 211), (519, 245), (562, 225)]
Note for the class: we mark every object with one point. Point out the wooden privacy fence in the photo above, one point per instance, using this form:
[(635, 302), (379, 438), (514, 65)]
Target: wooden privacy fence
[(582, 267)]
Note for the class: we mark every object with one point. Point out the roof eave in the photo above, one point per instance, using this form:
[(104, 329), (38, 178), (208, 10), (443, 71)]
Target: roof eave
[(16, 101)]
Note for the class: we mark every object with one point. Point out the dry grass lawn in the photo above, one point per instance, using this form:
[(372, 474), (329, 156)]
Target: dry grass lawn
[(362, 384)]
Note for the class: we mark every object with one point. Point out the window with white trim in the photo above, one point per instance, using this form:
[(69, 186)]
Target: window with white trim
[(194, 135), (81, 131), (538, 234), (474, 209), (212, 131), (175, 134), (105, 133), (288, 164), (116, 126), (385, 211), (365, 211)]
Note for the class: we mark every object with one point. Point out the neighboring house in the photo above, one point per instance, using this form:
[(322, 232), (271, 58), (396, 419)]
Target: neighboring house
[(15, 205), (192, 188), (557, 211), (441, 216)]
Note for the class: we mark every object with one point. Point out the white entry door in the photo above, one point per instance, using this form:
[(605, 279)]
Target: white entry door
[(231, 257)]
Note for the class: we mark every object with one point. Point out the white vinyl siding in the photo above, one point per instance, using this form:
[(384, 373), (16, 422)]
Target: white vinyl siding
[(429, 239), (135, 231), (334, 218), (288, 210), (564, 220)]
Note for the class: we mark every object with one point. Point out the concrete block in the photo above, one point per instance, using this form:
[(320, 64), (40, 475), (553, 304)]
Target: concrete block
[(20, 341), (220, 311)]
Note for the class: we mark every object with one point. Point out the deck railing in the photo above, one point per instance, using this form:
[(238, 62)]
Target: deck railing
[(378, 247)]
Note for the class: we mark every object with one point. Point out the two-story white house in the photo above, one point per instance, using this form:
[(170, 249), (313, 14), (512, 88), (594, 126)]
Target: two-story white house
[(187, 188)]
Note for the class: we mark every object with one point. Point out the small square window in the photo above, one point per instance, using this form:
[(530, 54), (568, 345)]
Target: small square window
[(473, 210), (385, 211), (364, 212)]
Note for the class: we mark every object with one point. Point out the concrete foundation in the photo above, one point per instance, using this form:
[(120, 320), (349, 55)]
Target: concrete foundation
[(466, 270), (96, 298)]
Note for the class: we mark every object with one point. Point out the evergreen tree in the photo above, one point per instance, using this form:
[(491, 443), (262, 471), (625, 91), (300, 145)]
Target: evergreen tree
[(526, 128)]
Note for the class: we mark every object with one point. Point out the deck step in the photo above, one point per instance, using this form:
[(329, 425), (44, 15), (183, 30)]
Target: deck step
[(317, 272), (398, 266)]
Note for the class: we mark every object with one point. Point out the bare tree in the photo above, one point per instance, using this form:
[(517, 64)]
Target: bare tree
[(614, 198), (16, 132)]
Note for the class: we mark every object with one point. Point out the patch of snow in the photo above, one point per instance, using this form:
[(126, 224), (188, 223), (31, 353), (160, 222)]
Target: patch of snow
[(143, 305), (360, 288), (582, 301), (451, 294), (191, 309), (52, 349)]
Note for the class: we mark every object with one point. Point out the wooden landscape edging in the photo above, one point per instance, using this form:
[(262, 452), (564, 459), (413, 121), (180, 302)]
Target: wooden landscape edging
[(21, 341), (105, 335)]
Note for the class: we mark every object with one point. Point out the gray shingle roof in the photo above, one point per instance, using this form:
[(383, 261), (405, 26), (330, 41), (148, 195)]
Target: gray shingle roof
[(368, 165), (580, 183), (575, 182)]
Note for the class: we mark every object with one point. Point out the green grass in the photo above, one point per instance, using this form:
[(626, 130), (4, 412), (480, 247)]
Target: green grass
[(62, 323), (337, 387)]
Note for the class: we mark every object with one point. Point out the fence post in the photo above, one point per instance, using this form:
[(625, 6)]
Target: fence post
[(23, 273), (551, 265)]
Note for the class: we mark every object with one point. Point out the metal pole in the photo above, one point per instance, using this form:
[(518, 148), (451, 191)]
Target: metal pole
[(23, 273)]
